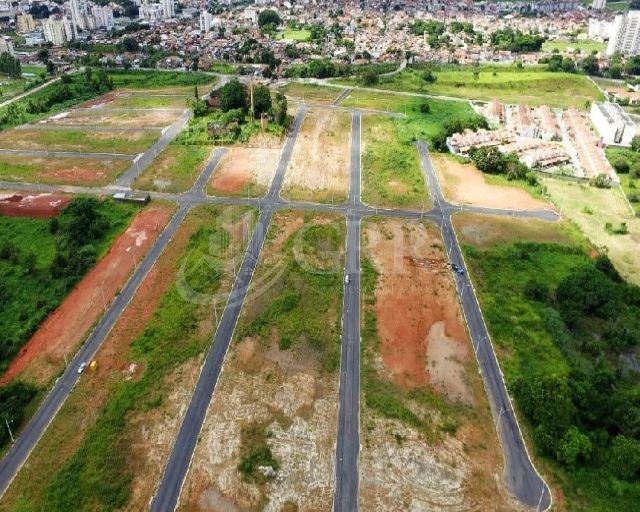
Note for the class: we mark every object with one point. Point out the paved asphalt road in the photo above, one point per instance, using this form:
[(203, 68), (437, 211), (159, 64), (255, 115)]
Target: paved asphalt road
[(348, 442), (168, 492), (521, 477), (30, 435), (141, 163)]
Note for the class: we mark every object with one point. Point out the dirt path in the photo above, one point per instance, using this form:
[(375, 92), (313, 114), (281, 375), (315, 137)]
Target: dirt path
[(244, 169), (39, 206), (319, 168), (464, 183), (43, 355)]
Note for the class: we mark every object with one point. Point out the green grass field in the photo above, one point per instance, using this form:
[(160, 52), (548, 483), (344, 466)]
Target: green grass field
[(391, 173), (77, 140), (310, 92), (98, 472), (584, 46), (175, 169), (532, 86), (157, 79), (294, 35), (541, 337), (304, 305), (143, 101), (29, 290)]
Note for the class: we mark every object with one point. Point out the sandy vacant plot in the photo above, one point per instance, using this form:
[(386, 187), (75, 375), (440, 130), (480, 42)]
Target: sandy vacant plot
[(591, 209), (319, 168), (280, 398), (311, 93), (447, 457), (245, 171), (108, 117), (60, 334), (464, 183), (61, 171)]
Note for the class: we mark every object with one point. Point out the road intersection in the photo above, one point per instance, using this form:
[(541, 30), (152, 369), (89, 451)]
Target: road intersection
[(521, 477)]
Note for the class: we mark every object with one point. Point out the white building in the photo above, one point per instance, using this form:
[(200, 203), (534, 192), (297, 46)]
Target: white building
[(57, 30), (599, 4), (6, 45), (206, 20), (613, 123), (103, 16), (168, 9), (625, 34), (600, 29), (151, 12)]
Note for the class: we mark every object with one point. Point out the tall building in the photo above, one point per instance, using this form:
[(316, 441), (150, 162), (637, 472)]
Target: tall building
[(103, 16), (625, 34), (599, 4), (25, 23), (168, 8), (57, 30), (6, 45), (205, 21), (76, 17)]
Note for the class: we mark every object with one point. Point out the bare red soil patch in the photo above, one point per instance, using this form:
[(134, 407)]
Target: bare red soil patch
[(61, 333), (419, 322), (40, 206)]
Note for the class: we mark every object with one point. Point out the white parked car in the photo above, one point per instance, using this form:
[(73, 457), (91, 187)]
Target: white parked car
[(346, 279), (82, 366)]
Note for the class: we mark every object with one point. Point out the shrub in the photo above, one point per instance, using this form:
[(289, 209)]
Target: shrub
[(621, 165)]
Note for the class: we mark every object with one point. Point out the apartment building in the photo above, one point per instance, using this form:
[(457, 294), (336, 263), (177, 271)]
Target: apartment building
[(25, 23), (57, 30), (625, 34), (613, 124)]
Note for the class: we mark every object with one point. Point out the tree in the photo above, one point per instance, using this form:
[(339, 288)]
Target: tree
[(43, 55), (51, 67), (199, 107), (280, 109), (268, 19), (621, 165), (261, 99), (488, 159), (428, 76), (233, 95), (369, 78), (590, 65), (575, 446), (624, 458), (635, 143)]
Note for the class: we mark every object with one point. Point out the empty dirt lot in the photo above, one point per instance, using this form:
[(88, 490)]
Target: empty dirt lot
[(43, 355), (275, 398), (464, 183), (114, 117), (245, 171), (319, 168), (61, 171), (40, 206), (428, 441)]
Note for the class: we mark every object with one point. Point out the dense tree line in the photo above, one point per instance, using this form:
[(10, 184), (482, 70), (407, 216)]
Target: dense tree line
[(14, 398), (592, 414), (491, 160), (235, 100), (9, 65), (516, 41), (71, 88)]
